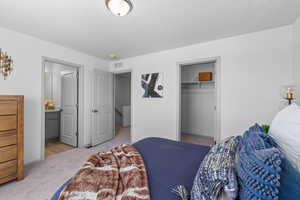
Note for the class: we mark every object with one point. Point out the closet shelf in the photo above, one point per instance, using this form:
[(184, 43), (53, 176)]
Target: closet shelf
[(195, 82)]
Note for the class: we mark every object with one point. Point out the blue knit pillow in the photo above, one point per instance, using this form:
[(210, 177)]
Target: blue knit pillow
[(259, 132), (289, 176), (258, 167), (289, 182)]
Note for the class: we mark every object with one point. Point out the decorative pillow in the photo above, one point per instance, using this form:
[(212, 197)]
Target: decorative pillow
[(289, 182), (285, 129), (216, 173), (257, 131), (258, 166), (289, 176), (256, 128)]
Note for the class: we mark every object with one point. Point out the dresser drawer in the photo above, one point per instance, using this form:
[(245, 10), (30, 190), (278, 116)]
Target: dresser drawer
[(8, 153), (8, 107), (8, 122), (8, 168), (8, 138)]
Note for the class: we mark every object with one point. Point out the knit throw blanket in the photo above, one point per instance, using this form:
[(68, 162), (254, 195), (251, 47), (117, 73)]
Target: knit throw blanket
[(118, 174)]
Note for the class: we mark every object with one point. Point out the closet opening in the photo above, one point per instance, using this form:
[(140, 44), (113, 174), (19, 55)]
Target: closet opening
[(198, 102)]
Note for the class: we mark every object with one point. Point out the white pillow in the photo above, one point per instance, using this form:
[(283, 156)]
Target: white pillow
[(285, 129)]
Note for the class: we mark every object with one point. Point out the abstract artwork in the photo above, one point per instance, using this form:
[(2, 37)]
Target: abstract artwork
[(152, 85)]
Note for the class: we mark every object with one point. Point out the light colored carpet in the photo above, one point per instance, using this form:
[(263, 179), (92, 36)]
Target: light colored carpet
[(42, 178)]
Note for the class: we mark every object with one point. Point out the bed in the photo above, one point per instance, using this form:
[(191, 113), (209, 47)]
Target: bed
[(168, 163)]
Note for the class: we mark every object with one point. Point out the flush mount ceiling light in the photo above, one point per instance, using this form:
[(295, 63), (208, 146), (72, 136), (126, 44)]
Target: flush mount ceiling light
[(119, 7)]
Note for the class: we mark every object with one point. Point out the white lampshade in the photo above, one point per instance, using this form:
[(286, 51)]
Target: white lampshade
[(119, 7)]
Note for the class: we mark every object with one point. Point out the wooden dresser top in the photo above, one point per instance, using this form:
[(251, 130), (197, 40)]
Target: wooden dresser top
[(11, 97)]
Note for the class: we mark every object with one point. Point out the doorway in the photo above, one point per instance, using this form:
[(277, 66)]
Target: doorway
[(60, 107), (198, 102), (122, 105), (111, 109)]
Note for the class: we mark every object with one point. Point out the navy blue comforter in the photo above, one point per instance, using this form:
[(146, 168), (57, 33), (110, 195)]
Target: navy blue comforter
[(168, 163)]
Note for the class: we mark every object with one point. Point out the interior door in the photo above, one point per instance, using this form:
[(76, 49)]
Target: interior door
[(102, 112), (68, 133)]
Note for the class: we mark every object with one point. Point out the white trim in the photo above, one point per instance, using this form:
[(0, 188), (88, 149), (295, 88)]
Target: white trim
[(131, 100), (80, 119), (217, 61)]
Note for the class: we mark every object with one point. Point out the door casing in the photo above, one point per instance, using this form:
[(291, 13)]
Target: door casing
[(131, 101), (217, 127), (80, 117)]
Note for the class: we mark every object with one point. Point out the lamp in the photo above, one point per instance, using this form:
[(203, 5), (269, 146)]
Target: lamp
[(288, 93), (119, 7), (6, 64)]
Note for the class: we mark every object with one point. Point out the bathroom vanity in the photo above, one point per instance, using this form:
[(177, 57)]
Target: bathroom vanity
[(52, 125)]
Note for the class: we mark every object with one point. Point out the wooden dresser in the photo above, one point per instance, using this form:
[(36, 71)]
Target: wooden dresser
[(11, 138)]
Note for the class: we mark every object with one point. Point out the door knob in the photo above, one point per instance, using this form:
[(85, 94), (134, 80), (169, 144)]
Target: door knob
[(95, 111)]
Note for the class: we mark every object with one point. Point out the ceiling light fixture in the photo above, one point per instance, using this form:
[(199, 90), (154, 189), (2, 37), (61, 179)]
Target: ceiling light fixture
[(119, 7)]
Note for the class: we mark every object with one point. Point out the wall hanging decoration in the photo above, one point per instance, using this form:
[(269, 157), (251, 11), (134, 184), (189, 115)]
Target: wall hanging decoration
[(6, 64), (152, 85)]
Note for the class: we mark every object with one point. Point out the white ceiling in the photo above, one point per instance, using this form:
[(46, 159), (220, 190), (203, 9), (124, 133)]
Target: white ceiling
[(153, 25)]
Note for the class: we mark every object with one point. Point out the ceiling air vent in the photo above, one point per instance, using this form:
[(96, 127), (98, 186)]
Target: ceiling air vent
[(118, 65)]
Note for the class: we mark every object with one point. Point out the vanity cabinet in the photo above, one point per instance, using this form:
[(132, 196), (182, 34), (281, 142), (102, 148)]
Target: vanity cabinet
[(52, 125)]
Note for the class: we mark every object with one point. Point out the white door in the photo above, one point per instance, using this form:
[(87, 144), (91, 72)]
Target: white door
[(102, 112), (68, 133)]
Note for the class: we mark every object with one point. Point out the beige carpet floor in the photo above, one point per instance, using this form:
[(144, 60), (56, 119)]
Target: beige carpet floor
[(42, 178)]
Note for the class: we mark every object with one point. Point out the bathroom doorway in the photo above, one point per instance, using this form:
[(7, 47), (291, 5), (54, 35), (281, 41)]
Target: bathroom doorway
[(61, 107)]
